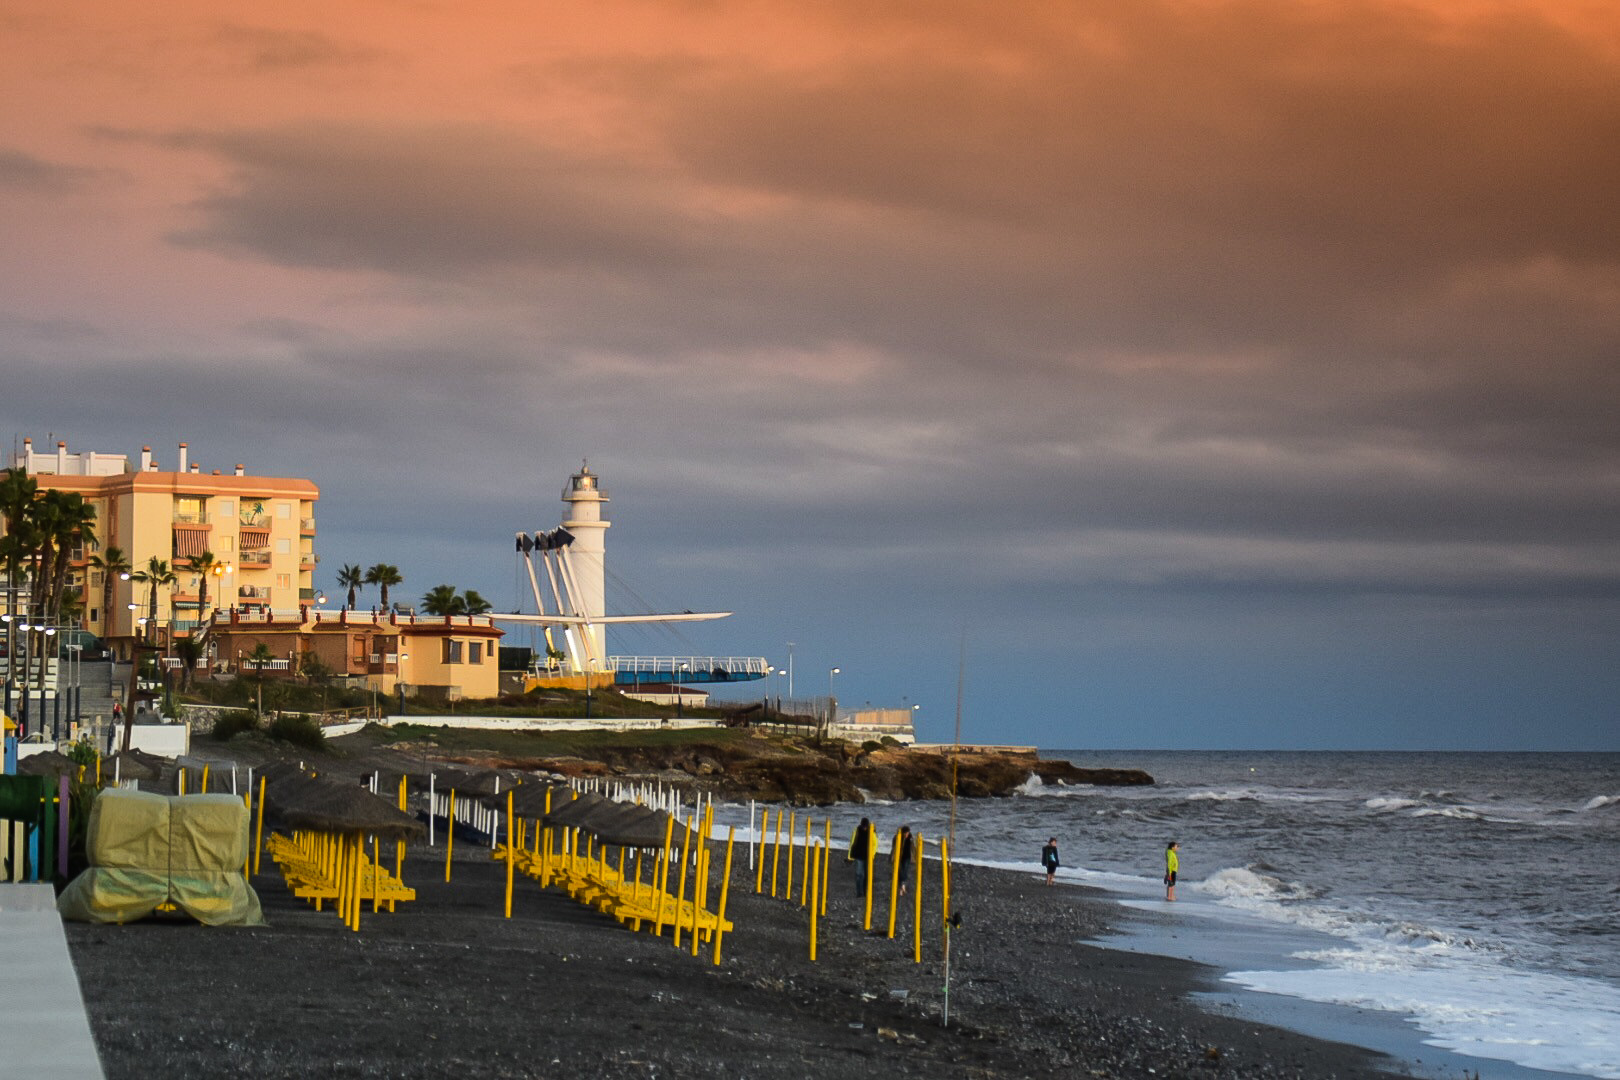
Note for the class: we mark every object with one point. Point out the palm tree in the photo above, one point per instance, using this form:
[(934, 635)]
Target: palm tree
[(202, 564), (443, 600), (157, 574), (351, 577), (474, 604), (382, 575), (189, 650), (112, 565), (260, 656)]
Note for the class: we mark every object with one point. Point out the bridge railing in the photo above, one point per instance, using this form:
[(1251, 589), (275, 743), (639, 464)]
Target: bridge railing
[(697, 667)]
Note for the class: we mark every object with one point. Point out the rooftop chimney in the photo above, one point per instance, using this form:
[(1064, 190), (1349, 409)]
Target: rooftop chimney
[(182, 458), (146, 459), (241, 470)]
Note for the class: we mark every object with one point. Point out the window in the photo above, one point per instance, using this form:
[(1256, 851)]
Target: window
[(283, 546), (475, 652), (452, 651), (283, 581), (227, 543), (283, 510), (224, 509)]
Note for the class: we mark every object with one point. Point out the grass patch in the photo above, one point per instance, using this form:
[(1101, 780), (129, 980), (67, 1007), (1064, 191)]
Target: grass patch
[(557, 743)]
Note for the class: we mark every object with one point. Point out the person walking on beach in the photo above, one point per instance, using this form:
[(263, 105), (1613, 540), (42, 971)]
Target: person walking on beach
[(1049, 859), (1172, 863), (861, 849), (906, 845)]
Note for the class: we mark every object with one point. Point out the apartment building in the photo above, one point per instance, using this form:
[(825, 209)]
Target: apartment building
[(260, 529)]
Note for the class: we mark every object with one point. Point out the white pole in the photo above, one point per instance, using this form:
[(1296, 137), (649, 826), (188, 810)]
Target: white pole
[(433, 809)]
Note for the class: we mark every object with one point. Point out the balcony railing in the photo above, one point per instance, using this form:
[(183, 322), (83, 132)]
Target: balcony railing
[(255, 521), (254, 557)]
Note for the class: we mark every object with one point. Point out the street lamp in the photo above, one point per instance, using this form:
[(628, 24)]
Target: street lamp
[(790, 670), (678, 669), (399, 671)]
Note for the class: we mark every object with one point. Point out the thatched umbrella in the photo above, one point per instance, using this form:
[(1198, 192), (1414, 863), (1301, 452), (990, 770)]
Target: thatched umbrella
[(47, 763), (133, 765), (573, 812), (332, 807)]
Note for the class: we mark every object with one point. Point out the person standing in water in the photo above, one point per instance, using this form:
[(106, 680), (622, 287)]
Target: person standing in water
[(1049, 858), (1172, 863)]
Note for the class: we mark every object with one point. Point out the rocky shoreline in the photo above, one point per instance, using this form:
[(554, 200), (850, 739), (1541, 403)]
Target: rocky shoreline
[(770, 768)]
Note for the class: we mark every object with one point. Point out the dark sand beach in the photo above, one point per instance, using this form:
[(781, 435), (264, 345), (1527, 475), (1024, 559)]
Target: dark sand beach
[(449, 987)]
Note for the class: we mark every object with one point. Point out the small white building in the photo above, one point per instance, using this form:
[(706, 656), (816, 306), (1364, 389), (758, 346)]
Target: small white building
[(871, 725)]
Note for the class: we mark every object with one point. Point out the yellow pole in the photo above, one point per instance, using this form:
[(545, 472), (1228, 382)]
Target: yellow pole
[(725, 889), (764, 830), (700, 890), (511, 854), (661, 877), (804, 883), (258, 835), (894, 882), (871, 864), (793, 832), (359, 857), (916, 914), (776, 849), (945, 889), (826, 863), (680, 897), (450, 836), (399, 848), (247, 856), (811, 870), (180, 778), (204, 789), (826, 874), (98, 770), (376, 876)]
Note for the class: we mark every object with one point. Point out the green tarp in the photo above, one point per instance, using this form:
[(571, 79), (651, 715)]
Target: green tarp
[(146, 850)]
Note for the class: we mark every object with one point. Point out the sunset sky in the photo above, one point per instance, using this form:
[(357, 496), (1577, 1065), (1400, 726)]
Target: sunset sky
[(1223, 374)]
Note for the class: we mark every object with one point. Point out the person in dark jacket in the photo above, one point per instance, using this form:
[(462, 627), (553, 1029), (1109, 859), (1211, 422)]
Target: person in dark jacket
[(907, 853), (1049, 859), (861, 849)]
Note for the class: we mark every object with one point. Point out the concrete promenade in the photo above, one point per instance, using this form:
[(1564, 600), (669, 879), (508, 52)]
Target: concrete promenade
[(44, 1032)]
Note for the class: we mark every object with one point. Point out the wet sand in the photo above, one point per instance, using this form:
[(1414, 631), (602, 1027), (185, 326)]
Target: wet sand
[(449, 987)]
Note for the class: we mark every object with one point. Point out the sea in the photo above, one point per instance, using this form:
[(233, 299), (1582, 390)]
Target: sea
[(1470, 900)]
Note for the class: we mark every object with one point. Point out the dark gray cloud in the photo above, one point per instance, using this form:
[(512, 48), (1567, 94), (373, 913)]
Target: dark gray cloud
[(21, 171)]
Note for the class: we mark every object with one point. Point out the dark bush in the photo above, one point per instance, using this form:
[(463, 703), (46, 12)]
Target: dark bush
[(299, 730), (234, 723)]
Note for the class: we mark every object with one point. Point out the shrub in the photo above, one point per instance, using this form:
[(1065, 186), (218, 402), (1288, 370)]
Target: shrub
[(299, 730), (234, 723), (870, 745), (890, 740)]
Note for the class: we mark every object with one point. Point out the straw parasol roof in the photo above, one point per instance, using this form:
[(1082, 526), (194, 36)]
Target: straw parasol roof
[(333, 807), (47, 763)]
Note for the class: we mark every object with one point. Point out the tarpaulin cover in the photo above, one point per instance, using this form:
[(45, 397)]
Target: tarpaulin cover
[(147, 849)]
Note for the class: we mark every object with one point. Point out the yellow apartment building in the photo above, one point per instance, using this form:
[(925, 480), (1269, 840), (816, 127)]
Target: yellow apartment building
[(260, 529), (446, 656)]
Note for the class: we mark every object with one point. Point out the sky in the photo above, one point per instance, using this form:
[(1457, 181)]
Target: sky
[(1171, 374)]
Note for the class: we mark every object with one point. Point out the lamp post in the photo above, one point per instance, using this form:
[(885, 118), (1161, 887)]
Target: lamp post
[(399, 680), (790, 670), (832, 702), (677, 671)]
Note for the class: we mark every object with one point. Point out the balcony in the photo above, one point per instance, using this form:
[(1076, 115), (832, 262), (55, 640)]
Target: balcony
[(306, 525), (307, 558), (190, 518), (255, 521), (253, 558)]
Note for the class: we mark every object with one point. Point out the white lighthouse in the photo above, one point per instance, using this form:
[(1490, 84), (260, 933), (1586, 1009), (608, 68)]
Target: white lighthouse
[(582, 516)]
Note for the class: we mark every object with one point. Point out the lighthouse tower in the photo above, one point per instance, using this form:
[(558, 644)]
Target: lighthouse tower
[(582, 516)]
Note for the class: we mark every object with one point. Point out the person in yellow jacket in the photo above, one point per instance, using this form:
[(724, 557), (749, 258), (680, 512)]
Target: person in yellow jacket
[(1172, 863)]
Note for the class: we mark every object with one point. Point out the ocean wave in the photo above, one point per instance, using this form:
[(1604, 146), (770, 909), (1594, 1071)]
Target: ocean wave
[(1390, 803), (1037, 788), (1253, 883), (1461, 813), (1249, 794), (1598, 802)]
